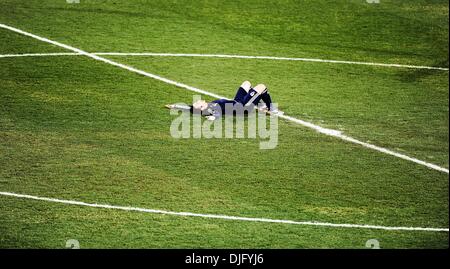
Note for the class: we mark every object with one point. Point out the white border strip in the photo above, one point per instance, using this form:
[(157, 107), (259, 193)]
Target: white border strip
[(229, 56), (225, 217), (325, 131)]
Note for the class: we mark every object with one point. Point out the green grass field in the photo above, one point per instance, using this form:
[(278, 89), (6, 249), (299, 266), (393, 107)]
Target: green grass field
[(78, 129)]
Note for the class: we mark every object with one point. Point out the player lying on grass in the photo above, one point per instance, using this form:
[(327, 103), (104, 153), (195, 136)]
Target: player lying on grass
[(245, 100)]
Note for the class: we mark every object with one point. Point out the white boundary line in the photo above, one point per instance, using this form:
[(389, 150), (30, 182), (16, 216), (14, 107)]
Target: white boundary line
[(225, 217), (271, 58), (228, 56), (325, 131), (39, 54)]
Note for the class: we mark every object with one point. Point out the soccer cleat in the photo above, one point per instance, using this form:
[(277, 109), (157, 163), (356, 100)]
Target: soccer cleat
[(262, 106), (276, 112)]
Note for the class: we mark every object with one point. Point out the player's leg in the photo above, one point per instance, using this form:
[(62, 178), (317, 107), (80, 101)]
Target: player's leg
[(260, 88), (242, 91), (265, 97), (254, 95)]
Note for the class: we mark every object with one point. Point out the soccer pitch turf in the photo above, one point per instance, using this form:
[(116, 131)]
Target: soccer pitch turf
[(73, 128)]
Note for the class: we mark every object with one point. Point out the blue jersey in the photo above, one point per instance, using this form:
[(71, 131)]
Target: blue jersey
[(218, 107)]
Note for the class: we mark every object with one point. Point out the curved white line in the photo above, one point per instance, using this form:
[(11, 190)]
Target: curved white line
[(229, 56), (270, 58), (225, 217), (39, 54)]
